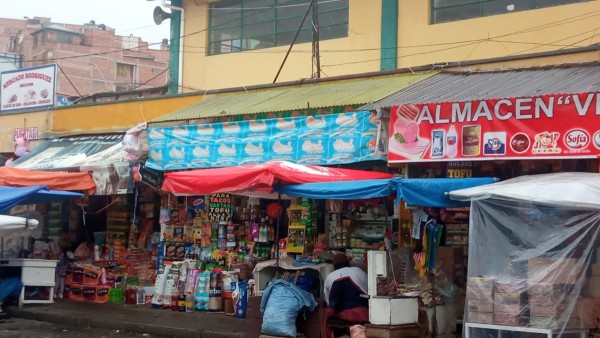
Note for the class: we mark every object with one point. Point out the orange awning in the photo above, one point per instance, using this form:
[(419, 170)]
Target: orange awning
[(77, 181)]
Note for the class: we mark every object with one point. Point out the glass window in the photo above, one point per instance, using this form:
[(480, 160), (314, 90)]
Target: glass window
[(240, 25), (62, 37), (454, 10)]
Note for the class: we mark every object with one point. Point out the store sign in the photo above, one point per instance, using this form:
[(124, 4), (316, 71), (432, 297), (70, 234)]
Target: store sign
[(26, 133), (28, 88), (542, 127), (219, 207), (324, 139), (460, 169)]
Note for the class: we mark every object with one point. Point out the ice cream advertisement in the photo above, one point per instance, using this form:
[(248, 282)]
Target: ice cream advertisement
[(548, 126), (28, 88), (323, 139)]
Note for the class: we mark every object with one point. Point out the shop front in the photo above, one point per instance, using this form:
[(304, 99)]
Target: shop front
[(517, 126), (535, 245), (102, 228)]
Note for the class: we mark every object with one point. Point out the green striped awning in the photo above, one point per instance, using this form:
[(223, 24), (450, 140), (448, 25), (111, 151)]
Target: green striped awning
[(297, 97)]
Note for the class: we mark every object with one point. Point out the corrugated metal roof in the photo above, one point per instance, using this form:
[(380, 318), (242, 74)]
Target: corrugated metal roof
[(452, 86), (290, 98)]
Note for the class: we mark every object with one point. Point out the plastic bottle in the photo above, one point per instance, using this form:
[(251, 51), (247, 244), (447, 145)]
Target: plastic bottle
[(189, 303), (141, 296), (451, 140), (181, 302)]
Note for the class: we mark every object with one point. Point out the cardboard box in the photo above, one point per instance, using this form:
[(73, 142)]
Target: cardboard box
[(77, 277), (549, 310), (480, 305), (397, 331), (544, 289), (512, 309), (510, 286), (554, 271), (76, 292), (510, 298), (596, 269), (591, 287), (555, 323), (480, 288), (588, 309), (95, 294), (481, 317), (510, 319), (91, 276)]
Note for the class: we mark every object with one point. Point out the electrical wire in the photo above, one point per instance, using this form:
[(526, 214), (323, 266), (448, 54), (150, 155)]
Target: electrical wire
[(574, 19)]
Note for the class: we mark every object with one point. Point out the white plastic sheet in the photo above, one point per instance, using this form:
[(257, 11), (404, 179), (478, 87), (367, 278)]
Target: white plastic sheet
[(532, 251)]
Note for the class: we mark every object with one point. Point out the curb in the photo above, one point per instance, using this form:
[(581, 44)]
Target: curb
[(116, 324)]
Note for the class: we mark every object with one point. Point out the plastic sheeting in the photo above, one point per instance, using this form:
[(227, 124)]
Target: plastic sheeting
[(430, 192), (532, 259), (257, 177), (11, 196), (74, 181), (280, 304)]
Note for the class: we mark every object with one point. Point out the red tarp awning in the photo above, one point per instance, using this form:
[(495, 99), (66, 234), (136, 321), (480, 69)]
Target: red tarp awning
[(14, 177), (257, 177)]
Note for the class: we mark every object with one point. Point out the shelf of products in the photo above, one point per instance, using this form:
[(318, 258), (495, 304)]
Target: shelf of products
[(117, 221), (456, 221)]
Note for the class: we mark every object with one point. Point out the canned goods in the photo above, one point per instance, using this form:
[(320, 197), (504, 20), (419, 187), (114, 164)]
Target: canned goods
[(471, 140)]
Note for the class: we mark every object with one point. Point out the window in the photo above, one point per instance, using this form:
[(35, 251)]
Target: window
[(35, 41), (124, 70), (240, 25), (453, 10), (62, 37)]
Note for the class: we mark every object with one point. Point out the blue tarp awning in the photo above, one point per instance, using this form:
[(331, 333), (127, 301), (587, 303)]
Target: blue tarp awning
[(429, 192), (344, 190), (11, 196)]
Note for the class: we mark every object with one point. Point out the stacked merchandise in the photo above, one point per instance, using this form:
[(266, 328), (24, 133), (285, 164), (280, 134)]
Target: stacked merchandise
[(588, 306), (54, 222), (510, 303), (90, 283), (480, 300), (548, 304), (117, 221), (185, 287), (552, 288)]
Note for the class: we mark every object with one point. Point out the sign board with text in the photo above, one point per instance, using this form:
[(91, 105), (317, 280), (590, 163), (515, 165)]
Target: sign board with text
[(544, 127), (28, 88)]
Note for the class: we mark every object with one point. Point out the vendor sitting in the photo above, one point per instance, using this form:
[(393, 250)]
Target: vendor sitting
[(344, 291)]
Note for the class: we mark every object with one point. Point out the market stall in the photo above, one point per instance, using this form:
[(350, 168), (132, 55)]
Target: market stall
[(415, 192), (31, 272), (535, 256)]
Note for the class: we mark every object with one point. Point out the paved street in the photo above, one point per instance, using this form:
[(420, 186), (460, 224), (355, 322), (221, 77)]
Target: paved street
[(26, 328)]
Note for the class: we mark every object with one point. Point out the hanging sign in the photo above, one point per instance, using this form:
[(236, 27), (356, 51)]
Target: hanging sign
[(548, 126), (28, 88), (219, 207), (320, 140)]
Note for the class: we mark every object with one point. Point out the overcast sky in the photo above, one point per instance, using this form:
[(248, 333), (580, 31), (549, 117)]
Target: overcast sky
[(125, 16)]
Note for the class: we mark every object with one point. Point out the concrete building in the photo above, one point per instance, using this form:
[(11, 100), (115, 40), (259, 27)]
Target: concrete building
[(90, 57)]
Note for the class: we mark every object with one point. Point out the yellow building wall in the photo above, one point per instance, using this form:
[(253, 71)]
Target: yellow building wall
[(505, 35), (8, 123), (419, 43), (338, 57), (117, 115)]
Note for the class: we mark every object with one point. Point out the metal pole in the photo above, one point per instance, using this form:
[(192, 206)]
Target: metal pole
[(294, 40), (277, 236)]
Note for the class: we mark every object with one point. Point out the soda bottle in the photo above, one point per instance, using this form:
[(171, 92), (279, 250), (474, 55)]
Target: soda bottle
[(181, 302), (189, 303)]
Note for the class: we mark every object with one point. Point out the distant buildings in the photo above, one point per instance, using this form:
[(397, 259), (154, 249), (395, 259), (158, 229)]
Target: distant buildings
[(90, 58)]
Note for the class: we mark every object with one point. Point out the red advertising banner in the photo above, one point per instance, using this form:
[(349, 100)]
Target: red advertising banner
[(549, 126)]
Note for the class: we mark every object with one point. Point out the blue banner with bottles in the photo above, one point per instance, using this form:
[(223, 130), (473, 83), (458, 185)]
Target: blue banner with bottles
[(320, 140)]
